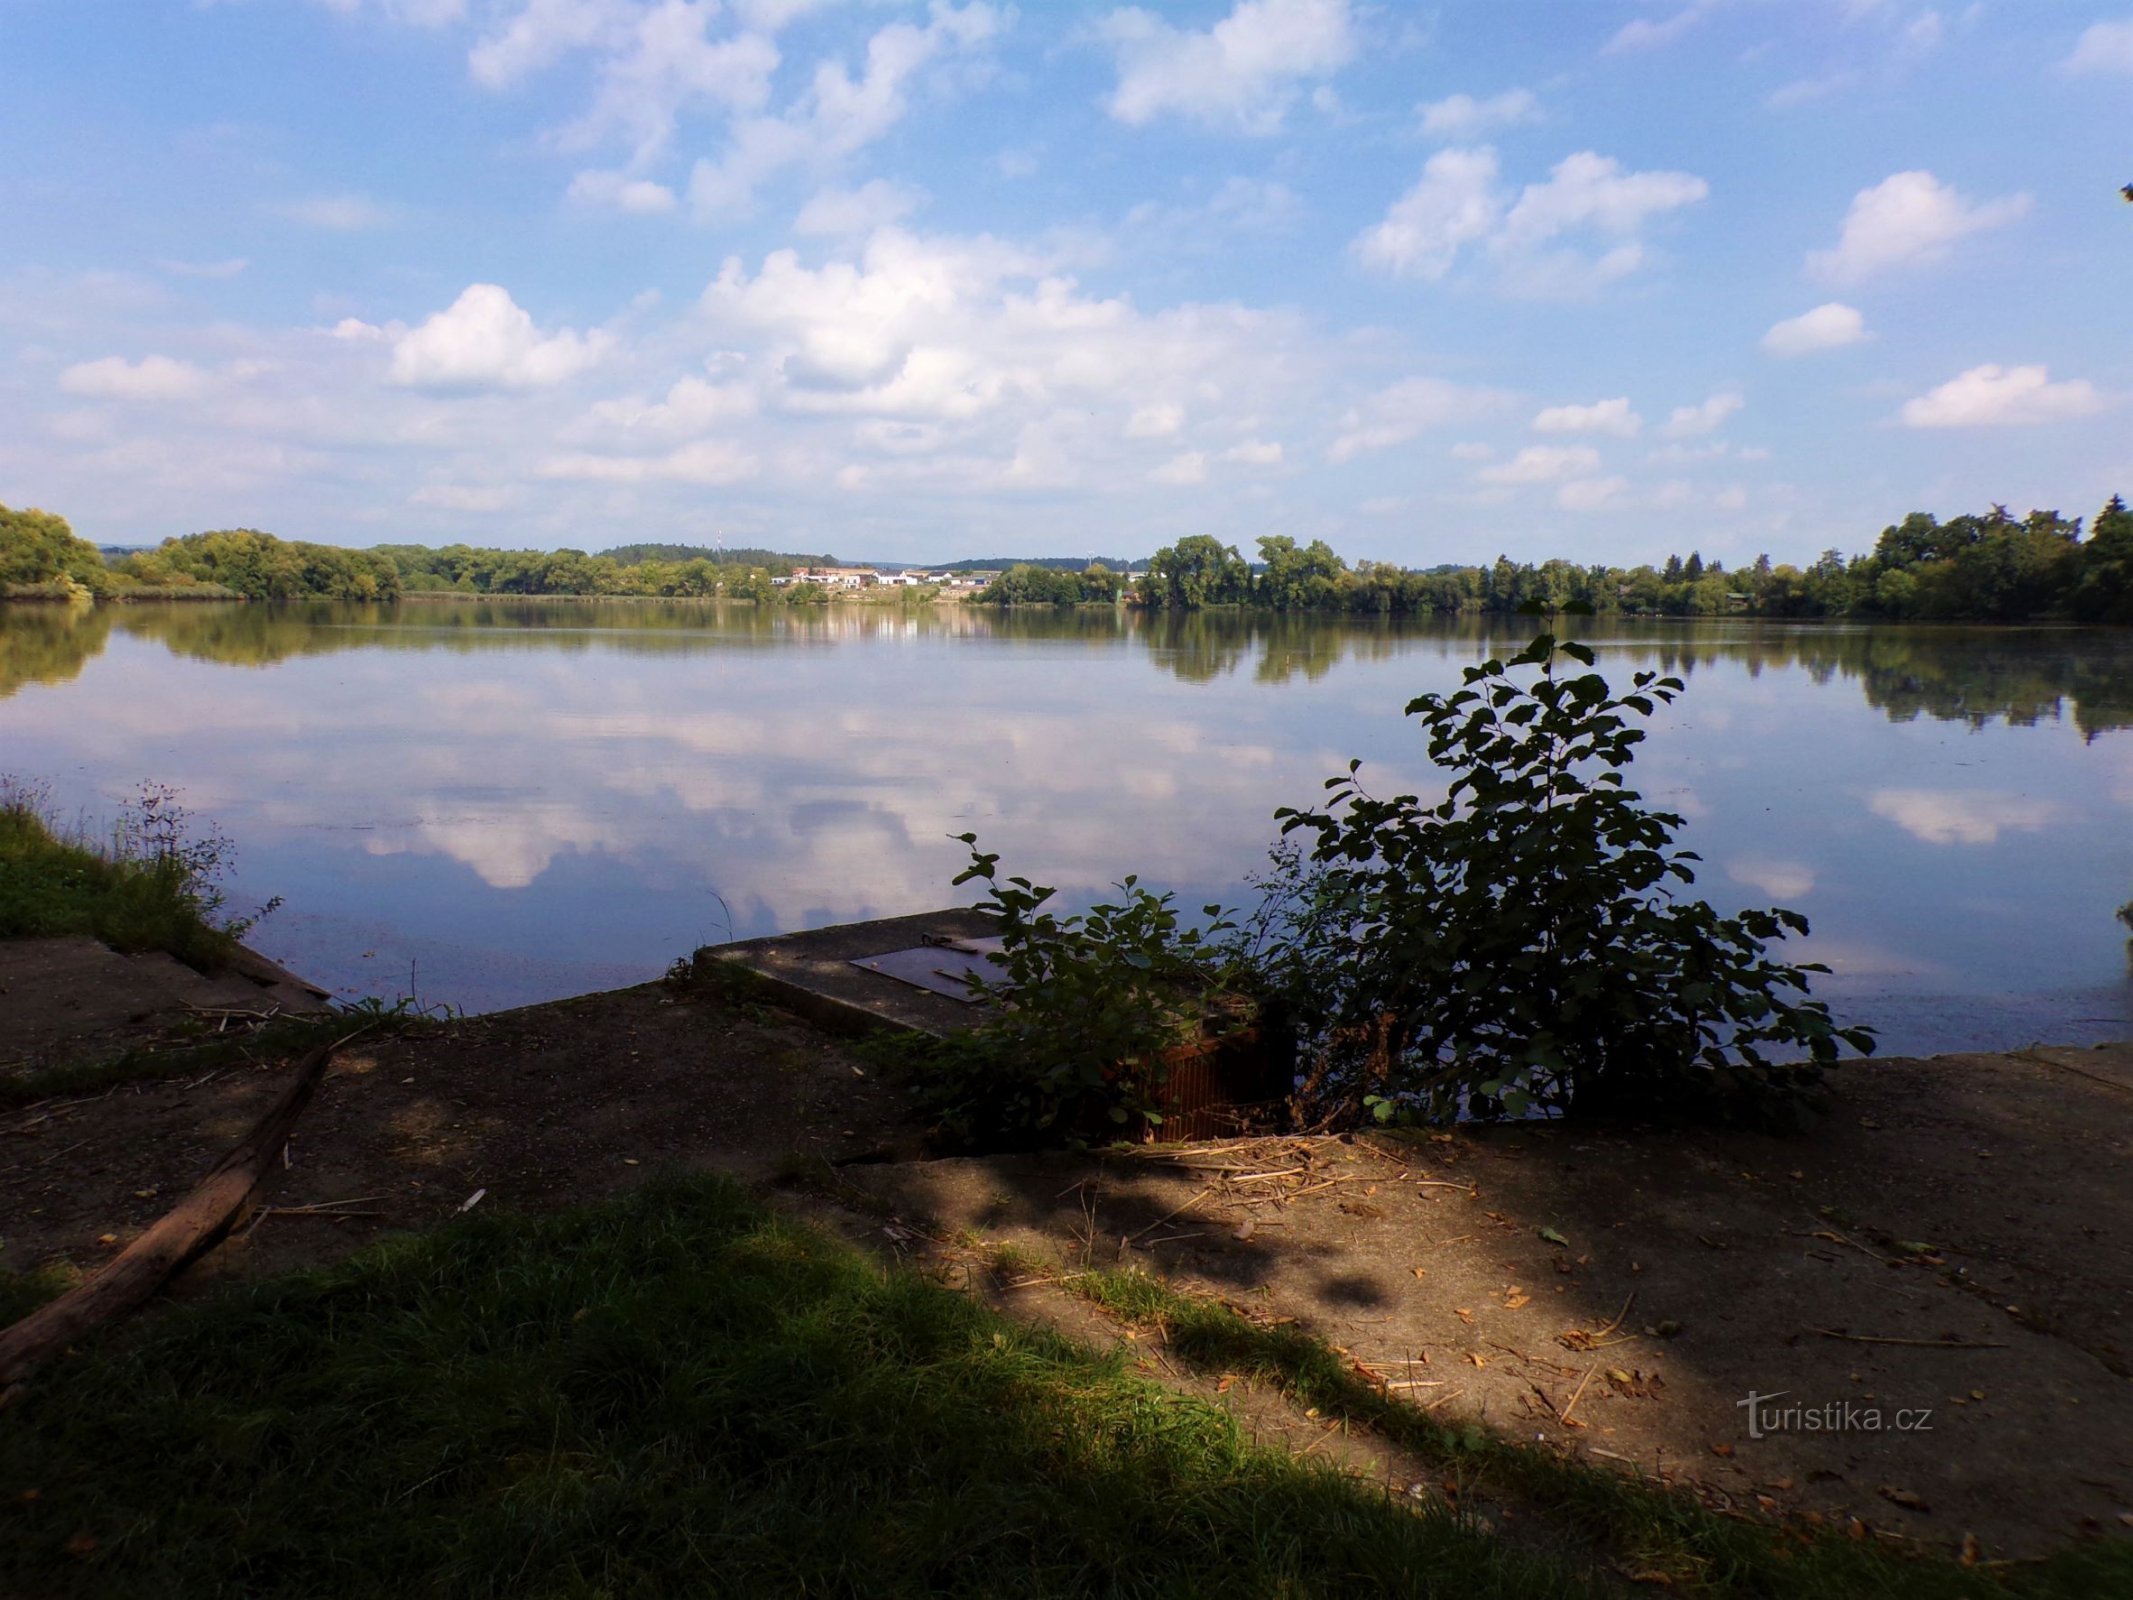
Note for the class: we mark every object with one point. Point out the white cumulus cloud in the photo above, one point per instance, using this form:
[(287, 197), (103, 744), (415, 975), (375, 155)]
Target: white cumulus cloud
[(463, 497), (1461, 116), (1452, 205), (1457, 203), (706, 461), (1159, 421), (540, 33), (486, 340), (1992, 396), (2105, 47), (1612, 417), (1909, 218), (1543, 463), (1396, 414), (1827, 327), (1591, 190), (1189, 468), (839, 114), (1650, 33), (1242, 73), (666, 62), (639, 197), (150, 378), (1690, 422), (1591, 494), (843, 213)]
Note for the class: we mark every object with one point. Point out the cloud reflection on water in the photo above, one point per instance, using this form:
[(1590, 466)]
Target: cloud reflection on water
[(543, 795)]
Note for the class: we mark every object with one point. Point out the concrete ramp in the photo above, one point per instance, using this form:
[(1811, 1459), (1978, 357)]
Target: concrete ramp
[(78, 999), (824, 975)]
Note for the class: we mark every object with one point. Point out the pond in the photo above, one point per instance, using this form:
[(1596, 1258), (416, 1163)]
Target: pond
[(494, 802)]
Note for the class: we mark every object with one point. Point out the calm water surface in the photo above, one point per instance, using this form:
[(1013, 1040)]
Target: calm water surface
[(498, 803)]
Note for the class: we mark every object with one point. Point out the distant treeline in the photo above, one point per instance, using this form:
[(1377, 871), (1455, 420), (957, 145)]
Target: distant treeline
[(1050, 563), (1993, 567), (632, 555), (42, 558)]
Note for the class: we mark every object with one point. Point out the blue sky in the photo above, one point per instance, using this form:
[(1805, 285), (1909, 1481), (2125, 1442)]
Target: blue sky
[(910, 281)]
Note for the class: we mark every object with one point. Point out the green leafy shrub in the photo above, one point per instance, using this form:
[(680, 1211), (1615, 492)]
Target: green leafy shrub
[(1083, 1011), (1519, 944)]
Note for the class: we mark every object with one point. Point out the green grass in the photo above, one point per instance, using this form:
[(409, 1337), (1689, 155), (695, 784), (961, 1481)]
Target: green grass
[(675, 1394), (23, 1292), (1636, 1525), (147, 888), (682, 1394)]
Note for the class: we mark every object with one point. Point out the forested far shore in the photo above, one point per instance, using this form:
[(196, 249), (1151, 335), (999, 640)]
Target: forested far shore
[(1990, 567)]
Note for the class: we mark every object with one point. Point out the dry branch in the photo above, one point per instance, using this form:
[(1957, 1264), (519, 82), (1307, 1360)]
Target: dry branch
[(1911, 1344), (189, 1228)]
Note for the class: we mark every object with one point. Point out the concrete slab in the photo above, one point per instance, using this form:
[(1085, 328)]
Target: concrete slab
[(77, 999), (812, 973)]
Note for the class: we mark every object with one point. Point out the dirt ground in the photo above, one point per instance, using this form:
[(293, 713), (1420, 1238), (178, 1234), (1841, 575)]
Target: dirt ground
[(549, 1105), (1932, 1291)]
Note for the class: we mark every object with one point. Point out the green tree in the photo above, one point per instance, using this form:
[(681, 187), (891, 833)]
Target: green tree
[(755, 585), (1199, 570), (39, 548), (1099, 582), (1026, 584), (260, 566), (1295, 579), (2104, 591)]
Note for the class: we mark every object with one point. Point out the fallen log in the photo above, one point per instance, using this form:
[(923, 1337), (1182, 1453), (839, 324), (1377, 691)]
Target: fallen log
[(182, 1233)]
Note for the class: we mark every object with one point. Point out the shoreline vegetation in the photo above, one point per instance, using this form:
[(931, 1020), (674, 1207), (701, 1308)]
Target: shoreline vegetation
[(1989, 567), (147, 883)]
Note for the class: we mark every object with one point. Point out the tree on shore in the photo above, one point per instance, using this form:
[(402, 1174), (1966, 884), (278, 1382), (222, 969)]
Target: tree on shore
[(37, 548)]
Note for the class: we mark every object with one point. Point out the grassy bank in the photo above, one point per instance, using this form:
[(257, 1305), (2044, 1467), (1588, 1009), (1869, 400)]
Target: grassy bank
[(679, 1393), (144, 886), (675, 1394)]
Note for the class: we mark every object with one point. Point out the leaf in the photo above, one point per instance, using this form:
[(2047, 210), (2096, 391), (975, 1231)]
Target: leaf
[(1554, 1238)]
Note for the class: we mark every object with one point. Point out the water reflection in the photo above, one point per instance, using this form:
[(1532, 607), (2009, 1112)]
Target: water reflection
[(519, 798), (49, 643), (1976, 676)]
